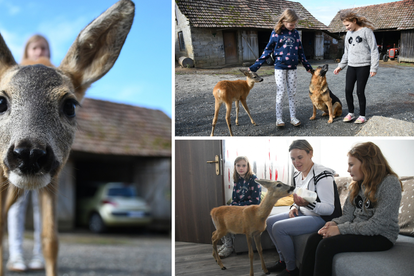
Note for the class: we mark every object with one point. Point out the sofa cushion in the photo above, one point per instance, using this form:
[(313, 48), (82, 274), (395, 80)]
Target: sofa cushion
[(406, 215), (396, 261)]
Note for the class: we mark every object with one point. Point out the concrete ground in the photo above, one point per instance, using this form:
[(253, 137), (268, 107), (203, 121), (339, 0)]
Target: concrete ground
[(124, 253)]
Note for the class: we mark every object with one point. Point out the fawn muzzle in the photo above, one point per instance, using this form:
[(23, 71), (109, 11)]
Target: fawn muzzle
[(30, 164)]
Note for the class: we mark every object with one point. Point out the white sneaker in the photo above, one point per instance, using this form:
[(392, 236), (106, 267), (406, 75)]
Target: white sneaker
[(221, 248), (294, 121), (280, 123), (16, 264), (225, 252), (37, 263)]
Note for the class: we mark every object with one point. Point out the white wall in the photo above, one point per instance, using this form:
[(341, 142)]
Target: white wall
[(330, 151), (398, 151)]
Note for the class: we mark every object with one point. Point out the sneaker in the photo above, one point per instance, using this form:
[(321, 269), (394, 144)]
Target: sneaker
[(279, 266), (225, 252), (280, 123), (221, 248), (16, 264), (36, 263), (349, 117), (360, 120), (294, 122)]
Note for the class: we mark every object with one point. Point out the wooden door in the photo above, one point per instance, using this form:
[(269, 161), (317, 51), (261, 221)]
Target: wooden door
[(230, 46), (197, 189)]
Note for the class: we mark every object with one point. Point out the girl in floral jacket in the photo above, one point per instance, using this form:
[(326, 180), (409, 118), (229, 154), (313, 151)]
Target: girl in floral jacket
[(286, 46)]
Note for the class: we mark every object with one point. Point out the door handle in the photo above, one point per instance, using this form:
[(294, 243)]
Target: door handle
[(217, 161)]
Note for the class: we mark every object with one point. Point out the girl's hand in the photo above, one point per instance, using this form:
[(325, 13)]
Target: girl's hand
[(337, 70), (326, 226), (293, 212), (329, 231), (373, 74), (300, 201)]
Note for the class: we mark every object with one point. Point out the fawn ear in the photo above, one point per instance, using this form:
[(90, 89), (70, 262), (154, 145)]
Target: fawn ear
[(97, 47), (6, 57)]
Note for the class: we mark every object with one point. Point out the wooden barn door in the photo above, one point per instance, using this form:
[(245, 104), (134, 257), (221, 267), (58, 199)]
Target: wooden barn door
[(230, 46), (198, 188)]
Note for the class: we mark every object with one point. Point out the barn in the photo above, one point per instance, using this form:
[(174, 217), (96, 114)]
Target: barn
[(394, 26), (214, 33)]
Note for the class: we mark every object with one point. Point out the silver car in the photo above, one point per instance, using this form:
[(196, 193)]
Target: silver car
[(114, 204)]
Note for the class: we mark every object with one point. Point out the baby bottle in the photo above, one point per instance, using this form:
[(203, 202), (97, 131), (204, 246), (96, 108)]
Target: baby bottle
[(304, 193)]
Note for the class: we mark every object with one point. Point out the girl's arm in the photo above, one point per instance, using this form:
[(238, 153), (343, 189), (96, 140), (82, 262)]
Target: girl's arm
[(253, 196), (344, 61), (235, 199), (385, 211), (326, 194), (347, 212), (266, 53), (372, 44), (302, 56)]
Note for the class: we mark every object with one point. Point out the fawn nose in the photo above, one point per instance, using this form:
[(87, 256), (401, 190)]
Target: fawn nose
[(291, 189), (30, 161), (29, 158)]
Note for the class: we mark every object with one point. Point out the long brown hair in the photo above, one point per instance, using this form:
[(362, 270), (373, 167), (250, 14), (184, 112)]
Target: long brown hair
[(374, 167), (288, 15), (351, 15), (249, 172)]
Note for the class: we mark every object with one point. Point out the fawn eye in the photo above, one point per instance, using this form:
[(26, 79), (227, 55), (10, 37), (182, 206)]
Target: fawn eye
[(69, 107), (3, 104)]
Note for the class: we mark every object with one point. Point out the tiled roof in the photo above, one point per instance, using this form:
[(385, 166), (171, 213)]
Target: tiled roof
[(119, 129), (243, 13), (395, 15)]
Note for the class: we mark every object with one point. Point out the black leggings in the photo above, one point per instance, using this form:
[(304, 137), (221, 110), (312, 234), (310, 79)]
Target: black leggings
[(359, 75), (319, 253)]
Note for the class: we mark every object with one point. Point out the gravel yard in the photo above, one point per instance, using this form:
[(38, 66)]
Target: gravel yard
[(390, 94), (86, 254)]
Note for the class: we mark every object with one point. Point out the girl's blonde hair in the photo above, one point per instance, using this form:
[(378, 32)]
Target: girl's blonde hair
[(35, 38), (289, 16), (351, 15), (374, 167), (249, 172)]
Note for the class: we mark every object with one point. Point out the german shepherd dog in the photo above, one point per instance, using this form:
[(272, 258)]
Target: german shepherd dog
[(322, 97)]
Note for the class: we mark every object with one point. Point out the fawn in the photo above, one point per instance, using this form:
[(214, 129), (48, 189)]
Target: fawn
[(38, 116), (229, 91), (249, 220)]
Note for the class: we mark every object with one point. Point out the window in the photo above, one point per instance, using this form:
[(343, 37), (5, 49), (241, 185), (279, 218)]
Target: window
[(181, 41)]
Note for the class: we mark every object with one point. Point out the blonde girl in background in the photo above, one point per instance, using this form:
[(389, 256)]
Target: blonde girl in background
[(362, 57), (286, 46), (245, 192)]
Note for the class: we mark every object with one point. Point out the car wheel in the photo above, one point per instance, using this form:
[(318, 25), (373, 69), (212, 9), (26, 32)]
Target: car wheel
[(96, 223)]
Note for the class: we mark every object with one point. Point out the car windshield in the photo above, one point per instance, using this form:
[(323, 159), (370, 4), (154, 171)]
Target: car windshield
[(122, 191)]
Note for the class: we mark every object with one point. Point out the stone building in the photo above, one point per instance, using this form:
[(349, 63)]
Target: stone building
[(394, 26), (217, 33)]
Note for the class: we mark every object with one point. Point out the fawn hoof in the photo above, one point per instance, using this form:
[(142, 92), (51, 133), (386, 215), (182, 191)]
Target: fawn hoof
[(223, 268)]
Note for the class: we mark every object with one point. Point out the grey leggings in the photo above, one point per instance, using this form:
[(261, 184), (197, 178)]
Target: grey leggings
[(280, 228)]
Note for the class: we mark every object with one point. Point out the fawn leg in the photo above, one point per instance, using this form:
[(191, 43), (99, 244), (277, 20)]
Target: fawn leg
[(50, 242), (249, 244), (228, 111), (214, 239), (260, 251), (243, 101), (237, 112), (216, 112)]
